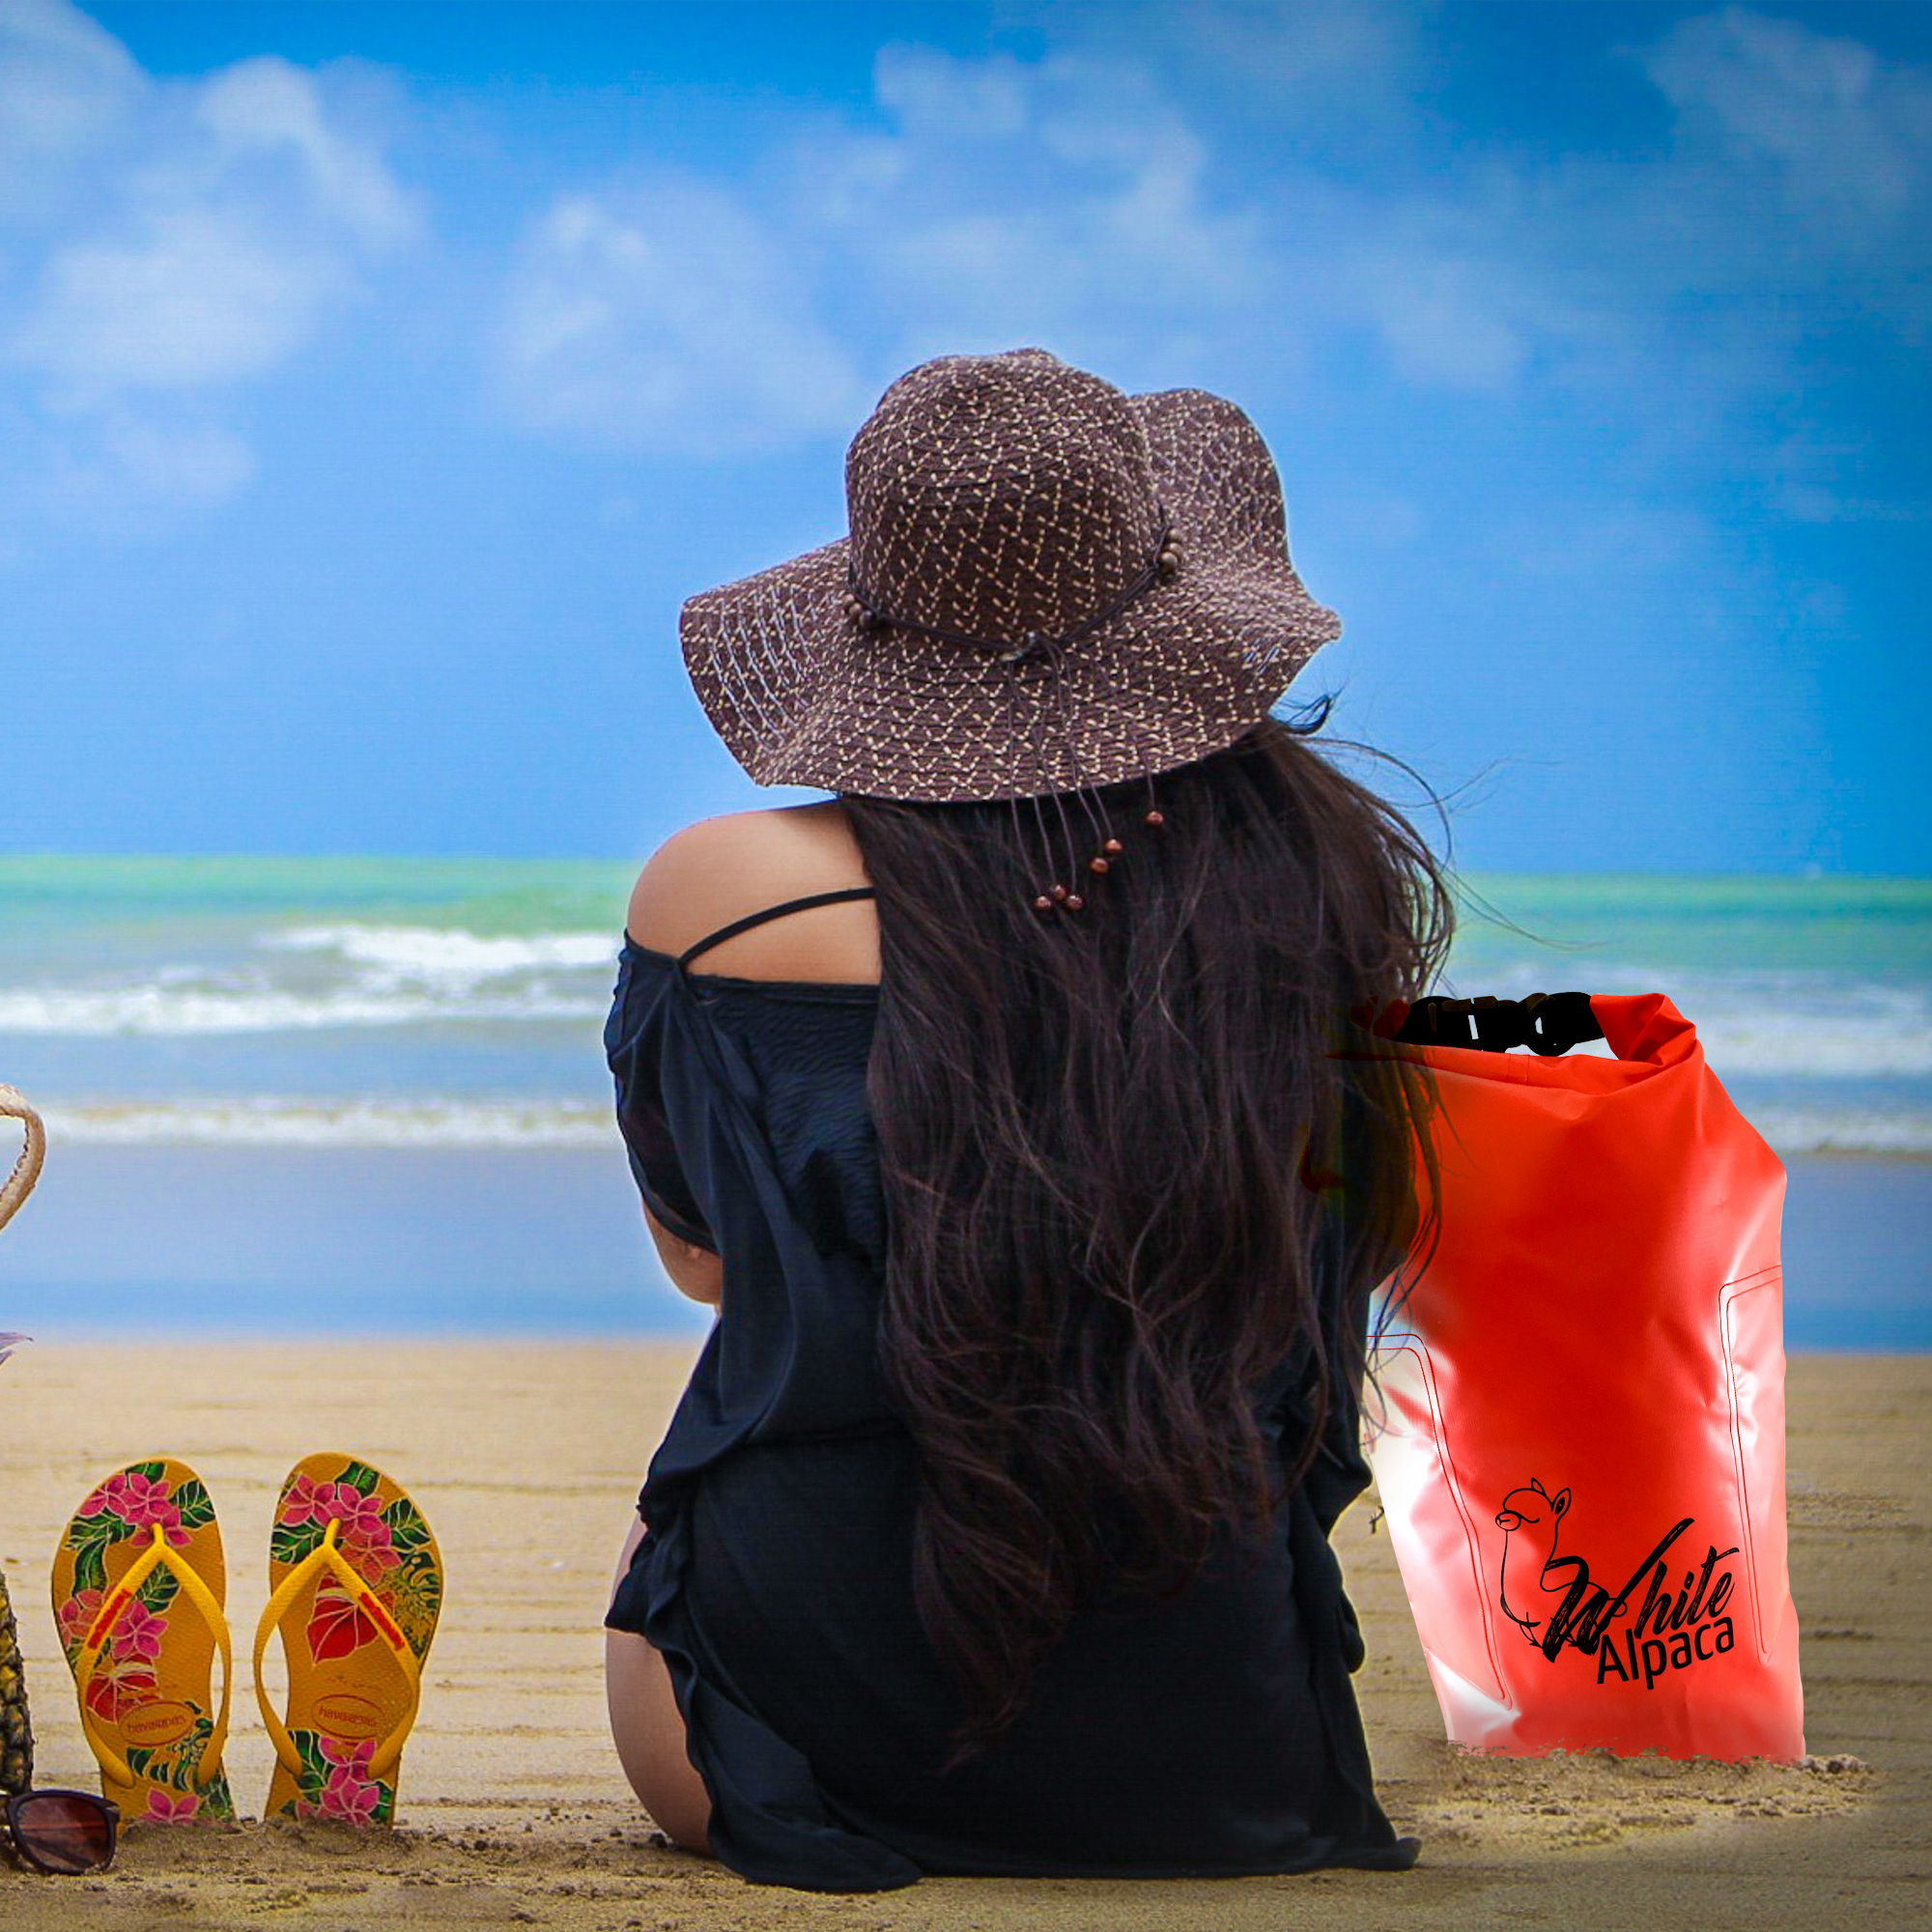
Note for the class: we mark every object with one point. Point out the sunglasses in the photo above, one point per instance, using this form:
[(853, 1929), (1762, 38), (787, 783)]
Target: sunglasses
[(64, 1833)]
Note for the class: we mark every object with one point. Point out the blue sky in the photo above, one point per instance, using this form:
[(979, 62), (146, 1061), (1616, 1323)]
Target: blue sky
[(376, 381)]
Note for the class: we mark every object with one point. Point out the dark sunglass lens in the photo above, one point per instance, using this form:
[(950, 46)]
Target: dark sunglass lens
[(66, 1831)]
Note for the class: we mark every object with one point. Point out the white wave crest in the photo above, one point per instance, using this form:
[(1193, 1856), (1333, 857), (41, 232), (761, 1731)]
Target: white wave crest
[(1802, 1047), (434, 955), (1821, 1130), (151, 1009), (273, 1121), (336, 975), (278, 1121), (1794, 1025)]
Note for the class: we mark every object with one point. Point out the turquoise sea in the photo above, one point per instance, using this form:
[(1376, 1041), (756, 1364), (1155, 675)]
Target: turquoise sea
[(370, 1093)]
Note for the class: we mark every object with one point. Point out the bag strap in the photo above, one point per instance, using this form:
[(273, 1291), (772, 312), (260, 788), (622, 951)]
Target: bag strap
[(1547, 1023), (27, 1169), (764, 917)]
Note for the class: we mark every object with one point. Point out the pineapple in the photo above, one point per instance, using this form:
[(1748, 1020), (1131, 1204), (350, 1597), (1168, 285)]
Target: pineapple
[(17, 1732), (16, 1729)]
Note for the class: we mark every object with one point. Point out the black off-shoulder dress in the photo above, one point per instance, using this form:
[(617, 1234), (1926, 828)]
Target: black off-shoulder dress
[(1211, 1735)]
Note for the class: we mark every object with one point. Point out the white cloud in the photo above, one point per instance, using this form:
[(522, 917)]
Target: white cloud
[(1011, 201), (1065, 200), (1088, 201), (147, 461), (1332, 64), (264, 108), (666, 316), (935, 96), (1439, 319), (174, 237), (66, 87), (1167, 196), (1850, 136), (198, 298)]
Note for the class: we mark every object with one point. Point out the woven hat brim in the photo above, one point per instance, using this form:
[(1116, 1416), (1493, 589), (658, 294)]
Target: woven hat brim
[(802, 695)]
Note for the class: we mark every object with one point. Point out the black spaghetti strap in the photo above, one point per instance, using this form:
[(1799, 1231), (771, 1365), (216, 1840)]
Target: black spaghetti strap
[(770, 912)]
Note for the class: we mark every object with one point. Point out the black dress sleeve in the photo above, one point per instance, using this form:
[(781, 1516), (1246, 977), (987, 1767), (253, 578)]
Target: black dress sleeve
[(634, 1041)]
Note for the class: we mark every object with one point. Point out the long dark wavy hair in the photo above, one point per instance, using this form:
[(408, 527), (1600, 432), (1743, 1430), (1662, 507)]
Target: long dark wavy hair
[(1111, 1143)]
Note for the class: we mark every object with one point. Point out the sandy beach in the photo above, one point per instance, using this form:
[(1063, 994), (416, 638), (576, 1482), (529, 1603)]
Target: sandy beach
[(512, 1809)]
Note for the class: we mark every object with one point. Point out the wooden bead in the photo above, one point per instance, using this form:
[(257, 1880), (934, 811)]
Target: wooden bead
[(1096, 865), (1060, 895), (1042, 903), (1112, 848), (1156, 818), (1074, 902)]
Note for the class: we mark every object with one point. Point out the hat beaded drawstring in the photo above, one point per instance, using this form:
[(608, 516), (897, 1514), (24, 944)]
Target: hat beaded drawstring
[(1109, 846), (1162, 566)]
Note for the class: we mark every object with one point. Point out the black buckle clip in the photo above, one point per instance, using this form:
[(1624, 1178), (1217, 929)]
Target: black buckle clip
[(1547, 1023)]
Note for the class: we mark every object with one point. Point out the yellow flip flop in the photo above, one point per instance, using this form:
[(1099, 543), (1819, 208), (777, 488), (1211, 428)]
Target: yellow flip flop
[(355, 1587), (138, 1587)]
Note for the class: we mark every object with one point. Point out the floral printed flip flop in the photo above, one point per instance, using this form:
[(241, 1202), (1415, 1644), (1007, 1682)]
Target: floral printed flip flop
[(355, 1583), (138, 1587)]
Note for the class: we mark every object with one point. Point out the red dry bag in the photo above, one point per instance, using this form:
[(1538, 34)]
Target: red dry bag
[(1580, 1436)]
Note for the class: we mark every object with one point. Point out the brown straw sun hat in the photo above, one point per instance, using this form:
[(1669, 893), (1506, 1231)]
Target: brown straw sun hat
[(1048, 585)]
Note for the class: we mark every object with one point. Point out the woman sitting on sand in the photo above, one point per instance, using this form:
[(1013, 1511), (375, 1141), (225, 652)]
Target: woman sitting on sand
[(992, 1105)]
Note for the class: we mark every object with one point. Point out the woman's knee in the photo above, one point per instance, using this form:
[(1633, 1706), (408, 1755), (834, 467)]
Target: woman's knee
[(649, 1730)]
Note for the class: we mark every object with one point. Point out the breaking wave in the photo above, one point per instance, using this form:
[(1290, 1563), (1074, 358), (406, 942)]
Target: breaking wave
[(347, 975), (273, 1121), (269, 1120)]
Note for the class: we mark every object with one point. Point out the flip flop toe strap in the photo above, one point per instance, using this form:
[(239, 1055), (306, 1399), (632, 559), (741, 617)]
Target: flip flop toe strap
[(87, 1660), (327, 1558)]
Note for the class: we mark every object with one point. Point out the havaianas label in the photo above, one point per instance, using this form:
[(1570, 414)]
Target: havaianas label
[(343, 1713), (160, 1723), (1552, 1599)]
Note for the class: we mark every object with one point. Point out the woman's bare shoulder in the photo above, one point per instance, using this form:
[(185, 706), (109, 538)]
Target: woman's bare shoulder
[(722, 869)]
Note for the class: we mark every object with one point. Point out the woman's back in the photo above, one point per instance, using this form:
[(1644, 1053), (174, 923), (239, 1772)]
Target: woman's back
[(1209, 1732), (1041, 1212), (1199, 1726)]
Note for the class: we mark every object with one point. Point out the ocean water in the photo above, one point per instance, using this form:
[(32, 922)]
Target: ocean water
[(370, 1093)]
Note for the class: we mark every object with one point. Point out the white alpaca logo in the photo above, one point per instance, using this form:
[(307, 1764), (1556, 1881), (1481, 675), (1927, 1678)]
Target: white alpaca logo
[(1673, 1630)]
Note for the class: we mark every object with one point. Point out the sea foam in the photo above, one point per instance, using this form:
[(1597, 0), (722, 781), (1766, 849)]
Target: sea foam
[(97, 1012), (308, 1121), (344, 975), (270, 1120), (426, 954)]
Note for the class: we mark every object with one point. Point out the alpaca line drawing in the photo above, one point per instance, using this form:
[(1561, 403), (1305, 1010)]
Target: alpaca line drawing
[(1529, 1520)]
